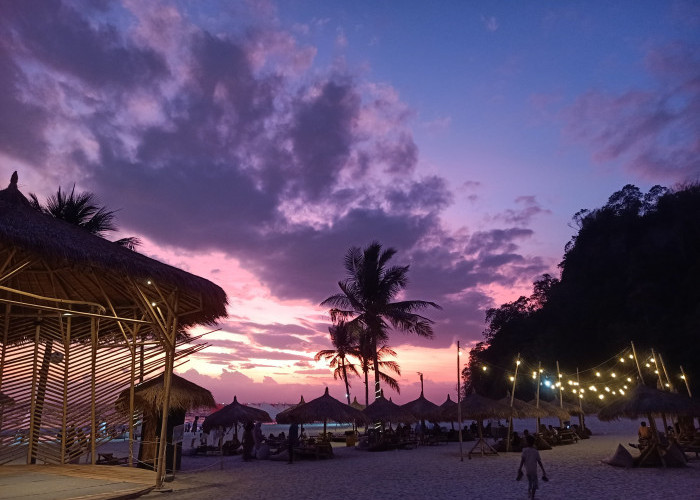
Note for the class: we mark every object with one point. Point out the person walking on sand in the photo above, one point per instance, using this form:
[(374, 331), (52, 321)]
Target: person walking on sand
[(530, 458)]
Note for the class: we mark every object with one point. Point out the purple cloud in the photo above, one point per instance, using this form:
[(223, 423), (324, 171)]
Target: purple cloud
[(651, 131)]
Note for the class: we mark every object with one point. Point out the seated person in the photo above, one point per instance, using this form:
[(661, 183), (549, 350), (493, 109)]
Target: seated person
[(644, 434)]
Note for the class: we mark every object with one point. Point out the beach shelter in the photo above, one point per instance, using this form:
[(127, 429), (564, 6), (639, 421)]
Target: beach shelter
[(480, 408), (644, 401), (384, 410), (355, 404), (148, 399), (423, 409), (280, 418), (523, 409), (322, 409), (83, 318), (234, 414), (551, 409)]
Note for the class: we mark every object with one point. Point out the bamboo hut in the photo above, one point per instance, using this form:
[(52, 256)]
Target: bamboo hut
[(83, 319)]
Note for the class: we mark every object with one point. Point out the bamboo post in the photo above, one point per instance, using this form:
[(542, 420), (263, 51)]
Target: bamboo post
[(512, 396), (669, 383), (537, 397), (93, 387), (459, 405), (636, 360), (581, 418), (66, 362), (661, 384), (561, 400), (33, 408), (685, 379)]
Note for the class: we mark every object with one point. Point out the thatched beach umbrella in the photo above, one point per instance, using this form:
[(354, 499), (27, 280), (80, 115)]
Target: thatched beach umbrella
[(523, 409), (479, 408), (553, 410), (448, 410), (281, 417), (644, 401), (148, 398), (423, 409), (323, 408), (384, 410), (355, 404), (234, 414)]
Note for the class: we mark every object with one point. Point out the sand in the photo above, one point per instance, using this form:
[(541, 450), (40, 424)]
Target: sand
[(575, 472)]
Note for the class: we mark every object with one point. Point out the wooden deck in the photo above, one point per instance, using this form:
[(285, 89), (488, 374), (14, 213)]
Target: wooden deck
[(63, 482)]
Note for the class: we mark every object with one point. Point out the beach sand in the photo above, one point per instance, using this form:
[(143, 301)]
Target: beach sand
[(575, 472)]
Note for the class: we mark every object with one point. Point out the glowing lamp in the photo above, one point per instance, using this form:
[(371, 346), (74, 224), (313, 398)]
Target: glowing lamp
[(613, 375), (629, 379), (652, 360), (512, 378), (630, 356), (483, 368), (517, 362), (602, 396), (607, 389), (597, 374), (622, 360)]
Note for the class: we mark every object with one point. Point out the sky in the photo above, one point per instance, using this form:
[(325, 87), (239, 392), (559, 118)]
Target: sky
[(254, 142)]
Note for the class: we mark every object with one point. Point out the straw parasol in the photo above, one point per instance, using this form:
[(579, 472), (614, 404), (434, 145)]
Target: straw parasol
[(553, 410), (423, 409), (283, 414), (479, 408), (356, 405), (523, 409), (323, 408), (233, 414), (148, 396), (644, 401), (448, 410), (384, 410)]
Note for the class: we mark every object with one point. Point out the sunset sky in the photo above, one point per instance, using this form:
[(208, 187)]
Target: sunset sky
[(254, 142)]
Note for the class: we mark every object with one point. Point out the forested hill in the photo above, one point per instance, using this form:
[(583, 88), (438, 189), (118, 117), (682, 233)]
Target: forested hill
[(632, 273)]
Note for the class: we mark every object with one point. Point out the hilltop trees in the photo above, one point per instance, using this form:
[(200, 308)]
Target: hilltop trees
[(631, 273)]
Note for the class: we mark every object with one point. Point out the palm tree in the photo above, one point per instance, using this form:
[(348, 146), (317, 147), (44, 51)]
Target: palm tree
[(367, 294), (82, 210), (344, 345)]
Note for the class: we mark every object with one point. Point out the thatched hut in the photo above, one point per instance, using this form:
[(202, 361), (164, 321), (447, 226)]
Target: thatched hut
[(82, 319)]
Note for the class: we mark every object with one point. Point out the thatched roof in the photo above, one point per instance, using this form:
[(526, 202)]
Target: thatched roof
[(283, 413), (524, 409), (234, 413), (355, 404), (423, 409), (643, 400), (477, 407), (60, 252), (383, 410), (553, 410), (148, 396), (320, 409), (448, 409)]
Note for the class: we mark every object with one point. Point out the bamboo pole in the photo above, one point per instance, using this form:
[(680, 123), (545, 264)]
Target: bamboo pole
[(685, 379), (661, 384), (33, 408), (537, 397), (66, 363), (459, 405), (512, 396), (93, 381), (669, 382)]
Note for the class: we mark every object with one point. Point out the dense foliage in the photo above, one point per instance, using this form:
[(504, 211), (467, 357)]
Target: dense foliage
[(632, 273)]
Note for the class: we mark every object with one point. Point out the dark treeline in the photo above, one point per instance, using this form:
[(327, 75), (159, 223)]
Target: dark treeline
[(632, 273)]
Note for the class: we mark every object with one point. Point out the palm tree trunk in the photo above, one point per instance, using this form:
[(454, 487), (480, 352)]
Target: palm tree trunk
[(345, 378), (366, 370), (376, 368)]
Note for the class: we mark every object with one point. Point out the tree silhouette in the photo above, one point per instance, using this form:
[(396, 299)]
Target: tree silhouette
[(366, 297)]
